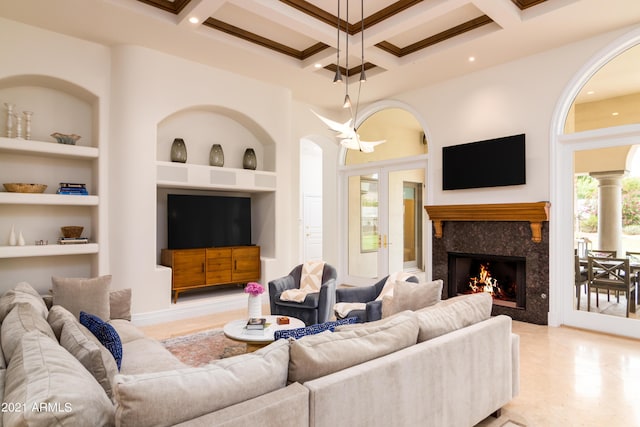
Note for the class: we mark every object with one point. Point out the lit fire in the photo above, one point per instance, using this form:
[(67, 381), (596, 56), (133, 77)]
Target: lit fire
[(484, 282)]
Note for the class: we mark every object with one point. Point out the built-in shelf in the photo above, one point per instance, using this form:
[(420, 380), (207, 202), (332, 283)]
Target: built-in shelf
[(47, 250), (184, 175), (47, 199), (535, 213), (50, 149)]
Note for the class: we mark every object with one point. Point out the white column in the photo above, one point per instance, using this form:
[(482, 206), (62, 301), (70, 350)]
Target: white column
[(610, 209)]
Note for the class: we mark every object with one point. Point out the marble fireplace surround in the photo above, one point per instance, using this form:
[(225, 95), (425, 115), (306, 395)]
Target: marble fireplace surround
[(512, 229)]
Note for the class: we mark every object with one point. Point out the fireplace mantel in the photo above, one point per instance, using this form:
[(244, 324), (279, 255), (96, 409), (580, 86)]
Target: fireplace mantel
[(534, 213)]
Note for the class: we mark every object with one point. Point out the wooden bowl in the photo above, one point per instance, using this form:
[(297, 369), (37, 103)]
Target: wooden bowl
[(72, 231), (19, 187)]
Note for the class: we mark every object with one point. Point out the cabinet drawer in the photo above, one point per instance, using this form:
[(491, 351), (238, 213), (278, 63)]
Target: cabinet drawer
[(218, 266)]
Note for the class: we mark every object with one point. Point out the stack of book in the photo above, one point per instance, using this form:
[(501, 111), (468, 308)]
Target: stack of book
[(73, 188), (72, 240), (256, 326)]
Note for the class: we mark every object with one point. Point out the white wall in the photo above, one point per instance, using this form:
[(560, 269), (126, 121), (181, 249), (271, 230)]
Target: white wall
[(147, 87), (516, 97)]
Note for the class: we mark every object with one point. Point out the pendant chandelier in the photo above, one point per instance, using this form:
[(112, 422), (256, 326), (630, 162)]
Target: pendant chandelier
[(346, 132)]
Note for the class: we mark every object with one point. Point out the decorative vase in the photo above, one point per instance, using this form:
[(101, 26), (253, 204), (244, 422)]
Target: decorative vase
[(216, 155), (249, 160), (178, 151), (255, 306), (12, 237), (21, 241)]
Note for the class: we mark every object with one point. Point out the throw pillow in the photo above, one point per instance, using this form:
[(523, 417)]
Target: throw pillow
[(82, 294), (42, 372), (452, 314), (105, 333), (23, 292), (313, 329), (120, 304), (89, 351), (58, 316), (411, 296)]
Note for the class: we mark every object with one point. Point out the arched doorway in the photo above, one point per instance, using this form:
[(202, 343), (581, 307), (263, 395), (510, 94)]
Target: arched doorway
[(577, 145), (382, 197)]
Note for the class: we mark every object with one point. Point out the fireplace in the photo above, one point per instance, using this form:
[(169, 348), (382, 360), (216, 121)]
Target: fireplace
[(506, 232), (503, 277)]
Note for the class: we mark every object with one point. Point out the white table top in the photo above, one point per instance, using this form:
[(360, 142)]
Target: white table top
[(236, 329)]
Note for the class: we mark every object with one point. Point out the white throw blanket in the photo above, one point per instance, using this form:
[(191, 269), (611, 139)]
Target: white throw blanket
[(342, 309), (310, 282)]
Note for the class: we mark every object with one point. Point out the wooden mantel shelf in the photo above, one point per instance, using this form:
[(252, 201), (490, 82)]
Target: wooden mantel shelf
[(534, 213)]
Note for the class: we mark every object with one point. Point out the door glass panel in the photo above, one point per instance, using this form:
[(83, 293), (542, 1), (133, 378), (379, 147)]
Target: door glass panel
[(404, 239), (363, 225), (606, 224)]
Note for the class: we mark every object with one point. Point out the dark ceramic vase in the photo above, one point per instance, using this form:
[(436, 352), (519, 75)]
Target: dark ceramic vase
[(249, 160), (216, 155), (178, 151)]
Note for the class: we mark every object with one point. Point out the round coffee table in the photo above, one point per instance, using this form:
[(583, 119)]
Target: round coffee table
[(237, 331)]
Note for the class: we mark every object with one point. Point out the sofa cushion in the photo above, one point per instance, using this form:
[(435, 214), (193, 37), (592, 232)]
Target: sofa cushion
[(81, 294), (23, 292), (453, 313), (318, 355), (105, 333), (313, 329), (120, 304), (85, 347), (42, 372), (171, 397), (126, 330), (146, 355), (21, 319), (411, 296)]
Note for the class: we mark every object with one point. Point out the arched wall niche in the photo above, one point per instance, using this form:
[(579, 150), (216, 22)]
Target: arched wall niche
[(57, 105), (205, 125)]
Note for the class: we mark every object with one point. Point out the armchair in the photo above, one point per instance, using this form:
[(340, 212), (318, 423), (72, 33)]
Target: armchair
[(367, 295), (316, 308)]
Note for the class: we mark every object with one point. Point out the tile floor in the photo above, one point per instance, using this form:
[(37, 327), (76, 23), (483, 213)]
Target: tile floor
[(568, 377)]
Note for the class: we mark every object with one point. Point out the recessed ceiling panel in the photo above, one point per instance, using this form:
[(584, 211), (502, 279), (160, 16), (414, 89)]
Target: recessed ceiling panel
[(355, 14), (245, 20), (436, 26)]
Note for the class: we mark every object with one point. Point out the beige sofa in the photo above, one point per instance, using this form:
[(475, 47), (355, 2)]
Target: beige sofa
[(464, 368)]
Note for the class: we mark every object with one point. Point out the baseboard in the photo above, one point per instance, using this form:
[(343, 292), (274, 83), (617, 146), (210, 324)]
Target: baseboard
[(187, 309)]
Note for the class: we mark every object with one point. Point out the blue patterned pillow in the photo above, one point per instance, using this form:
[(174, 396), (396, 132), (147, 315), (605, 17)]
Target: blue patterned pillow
[(105, 333), (313, 329)]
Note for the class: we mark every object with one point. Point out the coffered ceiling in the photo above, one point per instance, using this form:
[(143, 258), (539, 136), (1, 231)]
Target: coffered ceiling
[(294, 43)]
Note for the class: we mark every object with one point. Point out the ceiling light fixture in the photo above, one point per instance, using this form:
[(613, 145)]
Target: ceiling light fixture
[(346, 132), (194, 20)]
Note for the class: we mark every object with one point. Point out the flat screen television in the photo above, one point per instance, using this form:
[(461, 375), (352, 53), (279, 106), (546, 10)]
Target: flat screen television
[(491, 163), (208, 221)]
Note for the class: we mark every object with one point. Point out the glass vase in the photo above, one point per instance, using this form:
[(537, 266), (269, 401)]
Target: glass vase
[(216, 155), (178, 151), (249, 160)]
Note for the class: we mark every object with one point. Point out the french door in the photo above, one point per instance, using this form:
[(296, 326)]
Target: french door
[(382, 220)]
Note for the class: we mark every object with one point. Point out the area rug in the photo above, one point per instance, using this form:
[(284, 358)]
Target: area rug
[(204, 347)]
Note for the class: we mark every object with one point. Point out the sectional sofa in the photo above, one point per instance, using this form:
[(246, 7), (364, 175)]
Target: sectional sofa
[(449, 364)]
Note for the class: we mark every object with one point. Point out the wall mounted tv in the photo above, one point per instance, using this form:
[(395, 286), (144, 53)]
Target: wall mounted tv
[(491, 163), (208, 221)]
